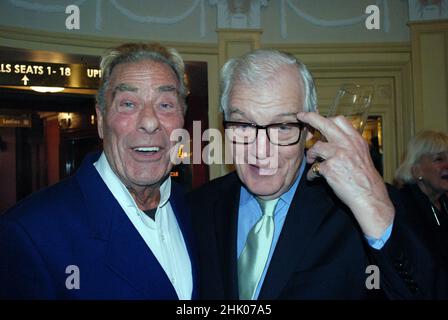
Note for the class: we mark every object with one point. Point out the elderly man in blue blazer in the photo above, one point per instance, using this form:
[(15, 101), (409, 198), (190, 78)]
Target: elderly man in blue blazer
[(118, 228)]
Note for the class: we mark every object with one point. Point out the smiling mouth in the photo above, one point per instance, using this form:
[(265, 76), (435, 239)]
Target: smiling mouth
[(264, 171), (146, 150)]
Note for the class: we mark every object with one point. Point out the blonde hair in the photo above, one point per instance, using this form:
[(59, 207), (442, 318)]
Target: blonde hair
[(134, 52), (425, 143)]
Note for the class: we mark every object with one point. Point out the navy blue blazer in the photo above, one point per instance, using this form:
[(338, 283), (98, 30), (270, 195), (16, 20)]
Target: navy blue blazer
[(78, 222)]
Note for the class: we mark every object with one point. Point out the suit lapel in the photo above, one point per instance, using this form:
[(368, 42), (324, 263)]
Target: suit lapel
[(129, 257), (127, 253), (306, 212), (226, 227)]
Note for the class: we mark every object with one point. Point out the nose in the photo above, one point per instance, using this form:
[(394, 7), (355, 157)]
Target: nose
[(263, 145), (148, 120)]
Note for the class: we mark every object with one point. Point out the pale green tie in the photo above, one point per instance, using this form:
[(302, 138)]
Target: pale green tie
[(255, 254)]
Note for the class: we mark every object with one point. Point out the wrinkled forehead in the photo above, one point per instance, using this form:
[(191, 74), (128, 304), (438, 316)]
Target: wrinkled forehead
[(144, 72), (269, 98), (283, 79)]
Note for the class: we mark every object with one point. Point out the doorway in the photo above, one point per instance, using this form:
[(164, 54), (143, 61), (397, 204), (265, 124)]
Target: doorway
[(39, 145)]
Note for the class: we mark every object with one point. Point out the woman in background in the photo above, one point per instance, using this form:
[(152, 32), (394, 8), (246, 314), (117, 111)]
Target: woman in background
[(423, 178)]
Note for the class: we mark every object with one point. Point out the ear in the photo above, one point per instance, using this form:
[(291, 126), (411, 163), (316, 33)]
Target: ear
[(416, 171), (99, 117)]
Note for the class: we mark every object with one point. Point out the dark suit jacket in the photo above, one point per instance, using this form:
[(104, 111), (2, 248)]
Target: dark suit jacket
[(321, 252), (418, 208), (79, 222)]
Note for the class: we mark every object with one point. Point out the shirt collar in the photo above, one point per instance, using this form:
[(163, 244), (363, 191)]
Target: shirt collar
[(165, 192), (119, 190)]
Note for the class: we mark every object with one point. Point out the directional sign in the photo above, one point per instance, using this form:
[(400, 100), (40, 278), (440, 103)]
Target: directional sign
[(25, 80), (22, 120), (49, 75)]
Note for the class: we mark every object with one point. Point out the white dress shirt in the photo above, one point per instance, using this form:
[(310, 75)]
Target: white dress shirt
[(162, 235)]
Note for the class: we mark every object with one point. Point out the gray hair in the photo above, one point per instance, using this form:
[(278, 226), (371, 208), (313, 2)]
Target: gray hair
[(259, 66), (134, 52), (425, 143)]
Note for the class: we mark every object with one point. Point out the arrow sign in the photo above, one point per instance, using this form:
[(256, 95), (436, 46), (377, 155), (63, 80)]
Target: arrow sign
[(25, 80)]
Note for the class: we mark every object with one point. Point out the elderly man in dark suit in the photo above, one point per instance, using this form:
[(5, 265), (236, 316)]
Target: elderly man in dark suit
[(281, 229), (119, 228)]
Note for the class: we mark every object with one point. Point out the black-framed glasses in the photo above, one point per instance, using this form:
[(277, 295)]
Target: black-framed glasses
[(281, 134)]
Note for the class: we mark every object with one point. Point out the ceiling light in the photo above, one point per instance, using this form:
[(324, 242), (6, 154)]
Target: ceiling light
[(47, 89)]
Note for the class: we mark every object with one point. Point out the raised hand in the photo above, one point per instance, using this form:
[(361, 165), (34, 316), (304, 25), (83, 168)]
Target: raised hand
[(348, 169)]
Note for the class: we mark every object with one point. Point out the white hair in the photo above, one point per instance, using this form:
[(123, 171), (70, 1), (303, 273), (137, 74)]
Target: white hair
[(261, 65), (425, 143)]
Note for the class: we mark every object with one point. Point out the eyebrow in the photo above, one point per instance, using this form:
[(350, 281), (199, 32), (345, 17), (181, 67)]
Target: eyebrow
[(236, 110), (438, 154), (123, 87), (167, 88), (286, 114)]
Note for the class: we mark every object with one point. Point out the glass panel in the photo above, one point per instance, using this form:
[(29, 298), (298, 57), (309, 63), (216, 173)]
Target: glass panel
[(373, 135)]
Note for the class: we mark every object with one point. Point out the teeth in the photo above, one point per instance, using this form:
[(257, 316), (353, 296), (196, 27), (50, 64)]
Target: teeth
[(147, 149)]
